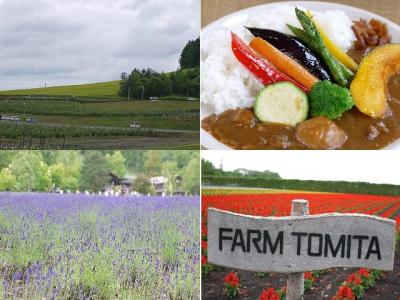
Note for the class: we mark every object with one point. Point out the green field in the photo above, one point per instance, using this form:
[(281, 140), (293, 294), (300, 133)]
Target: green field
[(100, 89), (89, 108), (99, 109), (157, 123)]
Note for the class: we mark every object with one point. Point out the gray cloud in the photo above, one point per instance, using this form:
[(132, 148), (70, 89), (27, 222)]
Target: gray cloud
[(80, 41)]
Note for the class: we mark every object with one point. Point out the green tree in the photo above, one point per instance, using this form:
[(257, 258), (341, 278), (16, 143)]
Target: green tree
[(134, 160), (50, 156), (30, 171), (185, 82), (190, 56), (7, 180), (152, 163), (181, 158), (116, 162), (71, 158), (207, 168), (169, 169), (142, 185), (72, 163), (191, 176), (94, 174), (179, 83), (57, 172), (6, 157)]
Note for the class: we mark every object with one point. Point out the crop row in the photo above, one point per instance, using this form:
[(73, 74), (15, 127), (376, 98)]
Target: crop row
[(302, 185), (13, 131), (123, 109), (70, 246), (85, 99), (280, 204)]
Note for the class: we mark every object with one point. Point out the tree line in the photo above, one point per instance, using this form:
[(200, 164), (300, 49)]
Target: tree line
[(208, 169), (44, 171), (146, 83)]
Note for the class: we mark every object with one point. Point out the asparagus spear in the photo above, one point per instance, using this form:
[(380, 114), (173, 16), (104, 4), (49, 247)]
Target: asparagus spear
[(347, 72), (334, 66), (302, 35)]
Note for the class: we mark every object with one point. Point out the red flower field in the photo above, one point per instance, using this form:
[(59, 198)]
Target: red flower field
[(341, 282)]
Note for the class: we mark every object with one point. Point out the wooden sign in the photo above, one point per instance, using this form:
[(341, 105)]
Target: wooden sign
[(300, 243)]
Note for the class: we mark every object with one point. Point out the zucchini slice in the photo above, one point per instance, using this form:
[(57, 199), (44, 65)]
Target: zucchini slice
[(281, 103)]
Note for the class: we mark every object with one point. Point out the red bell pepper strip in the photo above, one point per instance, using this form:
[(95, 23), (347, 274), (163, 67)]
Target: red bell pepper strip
[(263, 71)]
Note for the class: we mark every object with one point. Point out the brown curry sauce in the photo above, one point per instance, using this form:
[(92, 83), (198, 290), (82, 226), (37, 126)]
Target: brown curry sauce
[(240, 129)]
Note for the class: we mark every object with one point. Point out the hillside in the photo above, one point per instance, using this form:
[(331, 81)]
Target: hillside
[(103, 89), (108, 89)]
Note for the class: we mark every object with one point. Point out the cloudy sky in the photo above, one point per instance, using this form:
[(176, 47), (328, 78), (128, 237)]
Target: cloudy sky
[(369, 166), (81, 41)]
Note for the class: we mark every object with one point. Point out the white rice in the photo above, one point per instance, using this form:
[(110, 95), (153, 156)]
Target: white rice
[(226, 84)]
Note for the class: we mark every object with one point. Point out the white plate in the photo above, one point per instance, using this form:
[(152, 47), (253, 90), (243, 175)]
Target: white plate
[(237, 18)]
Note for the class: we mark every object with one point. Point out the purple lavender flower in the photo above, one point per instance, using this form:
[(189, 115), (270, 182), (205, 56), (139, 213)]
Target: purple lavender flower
[(85, 246)]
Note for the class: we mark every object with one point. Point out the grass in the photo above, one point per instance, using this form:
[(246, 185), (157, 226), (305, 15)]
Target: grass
[(9, 130), (190, 146), (100, 89), (187, 141), (177, 109), (123, 122)]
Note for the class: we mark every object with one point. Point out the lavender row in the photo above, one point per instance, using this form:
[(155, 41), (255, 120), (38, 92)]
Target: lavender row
[(96, 247)]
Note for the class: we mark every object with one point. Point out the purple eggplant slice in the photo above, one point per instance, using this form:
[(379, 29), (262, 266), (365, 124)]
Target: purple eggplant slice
[(294, 48)]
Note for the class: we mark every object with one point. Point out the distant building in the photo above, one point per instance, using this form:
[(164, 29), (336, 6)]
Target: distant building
[(242, 171), (124, 186), (118, 185), (159, 184), (179, 190)]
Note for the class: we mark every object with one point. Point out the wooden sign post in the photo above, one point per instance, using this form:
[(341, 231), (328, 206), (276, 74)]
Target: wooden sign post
[(295, 281), (300, 243)]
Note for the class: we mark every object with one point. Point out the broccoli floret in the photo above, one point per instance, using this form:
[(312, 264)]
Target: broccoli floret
[(329, 100)]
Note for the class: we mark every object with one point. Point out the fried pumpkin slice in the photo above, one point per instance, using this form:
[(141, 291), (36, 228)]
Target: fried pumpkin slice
[(369, 87)]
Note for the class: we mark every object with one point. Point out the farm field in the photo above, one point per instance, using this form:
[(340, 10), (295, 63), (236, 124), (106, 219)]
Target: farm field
[(25, 136), (73, 121), (318, 285), (210, 191), (187, 141), (73, 246), (132, 108), (122, 122), (102, 89)]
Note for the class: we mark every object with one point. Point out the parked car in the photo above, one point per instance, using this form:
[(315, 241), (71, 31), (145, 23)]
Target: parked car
[(10, 118), (31, 120), (154, 99), (135, 125)]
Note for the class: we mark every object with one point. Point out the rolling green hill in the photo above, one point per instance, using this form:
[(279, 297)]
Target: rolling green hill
[(103, 89)]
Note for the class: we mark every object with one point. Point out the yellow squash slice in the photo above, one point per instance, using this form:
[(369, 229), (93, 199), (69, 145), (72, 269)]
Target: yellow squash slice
[(369, 87)]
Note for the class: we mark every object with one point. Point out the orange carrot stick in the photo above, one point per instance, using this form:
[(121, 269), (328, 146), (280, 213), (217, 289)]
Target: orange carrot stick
[(283, 62)]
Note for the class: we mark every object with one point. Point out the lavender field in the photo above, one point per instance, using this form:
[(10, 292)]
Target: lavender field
[(72, 246)]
